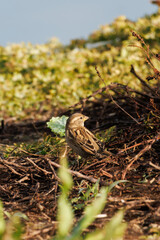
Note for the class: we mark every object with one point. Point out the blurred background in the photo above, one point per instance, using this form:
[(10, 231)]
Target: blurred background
[(37, 21)]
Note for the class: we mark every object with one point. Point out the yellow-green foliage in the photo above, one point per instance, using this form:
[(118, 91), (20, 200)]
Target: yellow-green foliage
[(11, 229), (67, 230), (38, 77)]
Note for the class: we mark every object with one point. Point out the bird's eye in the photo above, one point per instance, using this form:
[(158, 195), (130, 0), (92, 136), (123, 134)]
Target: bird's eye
[(81, 117)]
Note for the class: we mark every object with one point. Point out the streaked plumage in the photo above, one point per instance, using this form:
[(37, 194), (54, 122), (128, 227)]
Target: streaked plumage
[(80, 139)]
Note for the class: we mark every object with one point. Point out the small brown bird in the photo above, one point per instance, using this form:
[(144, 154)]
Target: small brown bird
[(80, 139)]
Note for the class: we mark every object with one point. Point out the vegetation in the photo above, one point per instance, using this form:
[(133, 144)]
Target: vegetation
[(37, 78), (67, 231), (101, 76)]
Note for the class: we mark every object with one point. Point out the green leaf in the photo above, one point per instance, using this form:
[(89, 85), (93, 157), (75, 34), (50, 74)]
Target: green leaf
[(112, 230), (65, 212), (2, 222), (116, 183), (57, 125), (65, 216), (21, 215), (91, 212), (65, 176)]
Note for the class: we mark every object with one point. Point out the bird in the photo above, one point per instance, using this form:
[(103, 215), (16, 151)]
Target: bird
[(81, 140)]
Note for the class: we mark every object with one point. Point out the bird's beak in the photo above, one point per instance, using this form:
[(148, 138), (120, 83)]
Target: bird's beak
[(85, 118)]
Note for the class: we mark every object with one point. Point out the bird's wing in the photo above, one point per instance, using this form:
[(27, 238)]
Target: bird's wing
[(85, 140)]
